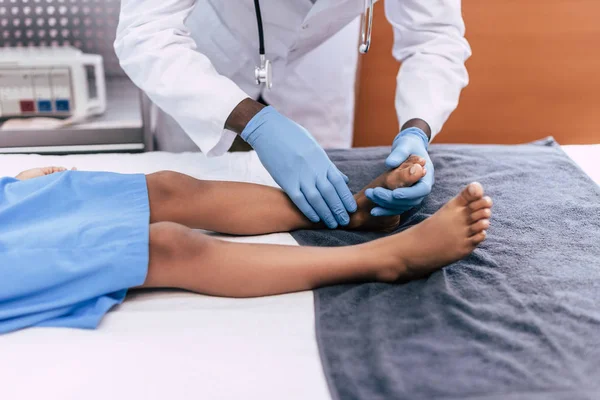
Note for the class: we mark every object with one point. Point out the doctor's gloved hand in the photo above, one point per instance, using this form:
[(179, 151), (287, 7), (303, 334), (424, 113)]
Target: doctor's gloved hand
[(395, 202), (300, 166)]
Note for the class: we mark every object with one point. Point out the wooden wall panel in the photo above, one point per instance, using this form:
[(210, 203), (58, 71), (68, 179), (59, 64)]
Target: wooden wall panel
[(535, 71)]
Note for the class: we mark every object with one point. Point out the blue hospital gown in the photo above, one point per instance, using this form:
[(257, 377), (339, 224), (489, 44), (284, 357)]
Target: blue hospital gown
[(71, 244)]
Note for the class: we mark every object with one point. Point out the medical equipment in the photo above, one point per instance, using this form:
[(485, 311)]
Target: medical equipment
[(50, 82), (263, 73), (51, 28), (366, 27)]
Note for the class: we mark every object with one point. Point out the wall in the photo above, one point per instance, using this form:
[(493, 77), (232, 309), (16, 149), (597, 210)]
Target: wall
[(535, 71)]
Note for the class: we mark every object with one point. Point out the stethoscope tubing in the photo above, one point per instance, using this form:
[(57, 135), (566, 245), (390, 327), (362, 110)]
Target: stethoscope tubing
[(263, 73)]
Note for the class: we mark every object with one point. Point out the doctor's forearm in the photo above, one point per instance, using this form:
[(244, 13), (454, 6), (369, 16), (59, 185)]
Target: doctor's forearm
[(242, 114), (418, 123)]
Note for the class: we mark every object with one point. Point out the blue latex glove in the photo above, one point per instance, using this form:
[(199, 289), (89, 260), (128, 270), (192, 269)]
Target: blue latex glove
[(395, 202), (300, 166)]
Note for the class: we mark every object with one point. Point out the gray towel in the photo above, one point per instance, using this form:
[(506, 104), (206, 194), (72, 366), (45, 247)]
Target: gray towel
[(518, 319)]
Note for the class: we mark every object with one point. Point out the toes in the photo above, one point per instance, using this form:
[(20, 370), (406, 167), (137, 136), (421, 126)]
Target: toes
[(413, 159), (478, 238), (486, 202), (418, 160), (471, 193), (479, 226), (399, 178), (484, 213)]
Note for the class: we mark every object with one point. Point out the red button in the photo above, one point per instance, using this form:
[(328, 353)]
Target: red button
[(27, 105)]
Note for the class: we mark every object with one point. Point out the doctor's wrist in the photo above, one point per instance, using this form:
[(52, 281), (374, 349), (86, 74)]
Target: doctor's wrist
[(418, 123), (242, 114)]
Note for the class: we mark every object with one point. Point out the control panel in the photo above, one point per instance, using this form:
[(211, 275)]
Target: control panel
[(36, 91), (51, 82)]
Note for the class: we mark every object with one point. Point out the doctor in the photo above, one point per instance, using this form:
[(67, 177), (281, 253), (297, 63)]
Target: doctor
[(196, 61)]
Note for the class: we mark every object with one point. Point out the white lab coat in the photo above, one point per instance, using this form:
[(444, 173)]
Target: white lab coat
[(195, 60)]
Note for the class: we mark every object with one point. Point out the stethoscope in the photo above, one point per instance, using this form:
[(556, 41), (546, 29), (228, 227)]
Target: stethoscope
[(264, 73)]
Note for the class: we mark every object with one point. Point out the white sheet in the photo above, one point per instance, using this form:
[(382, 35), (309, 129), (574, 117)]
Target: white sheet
[(175, 345)]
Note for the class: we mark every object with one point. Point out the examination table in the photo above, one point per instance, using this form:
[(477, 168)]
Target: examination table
[(172, 344)]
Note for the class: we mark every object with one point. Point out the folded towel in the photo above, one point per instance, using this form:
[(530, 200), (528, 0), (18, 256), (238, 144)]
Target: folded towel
[(518, 319)]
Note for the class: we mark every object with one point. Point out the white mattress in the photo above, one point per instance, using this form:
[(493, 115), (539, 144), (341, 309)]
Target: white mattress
[(176, 345)]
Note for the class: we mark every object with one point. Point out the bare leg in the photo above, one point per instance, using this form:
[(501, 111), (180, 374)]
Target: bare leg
[(182, 258), (249, 209)]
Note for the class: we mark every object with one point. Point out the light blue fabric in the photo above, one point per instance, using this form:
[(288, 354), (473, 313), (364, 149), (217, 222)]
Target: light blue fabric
[(395, 202), (301, 167), (71, 244)]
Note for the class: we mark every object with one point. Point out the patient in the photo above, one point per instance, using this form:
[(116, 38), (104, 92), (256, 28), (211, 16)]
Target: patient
[(72, 243)]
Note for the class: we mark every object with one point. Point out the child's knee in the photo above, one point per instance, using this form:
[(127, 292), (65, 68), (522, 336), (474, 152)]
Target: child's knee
[(162, 185), (164, 191), (163, 240), (174, 240), (172, 246)]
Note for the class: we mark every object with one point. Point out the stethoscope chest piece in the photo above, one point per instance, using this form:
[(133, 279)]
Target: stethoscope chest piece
[(264, 73), (366, 27)]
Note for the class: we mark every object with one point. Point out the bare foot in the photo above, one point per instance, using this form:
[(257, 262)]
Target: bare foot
[(407, 174), (449, 235)]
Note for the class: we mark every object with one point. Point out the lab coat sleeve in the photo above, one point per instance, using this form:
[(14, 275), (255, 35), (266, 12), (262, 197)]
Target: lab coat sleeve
[(156, 51), (429, 41)]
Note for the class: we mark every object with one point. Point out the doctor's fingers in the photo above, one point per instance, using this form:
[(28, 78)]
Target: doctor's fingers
[(397, 156), (334, 201), (316, 201), (418, 191), (384, 198), (395, 209), (346, 179), (340, 183), (386, 212), (300, 201)]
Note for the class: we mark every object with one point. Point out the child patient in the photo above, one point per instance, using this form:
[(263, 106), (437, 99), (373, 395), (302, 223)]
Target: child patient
[(72, 243)]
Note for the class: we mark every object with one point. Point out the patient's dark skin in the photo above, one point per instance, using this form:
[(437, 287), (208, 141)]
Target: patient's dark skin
[(181, 257), (271, 210)]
